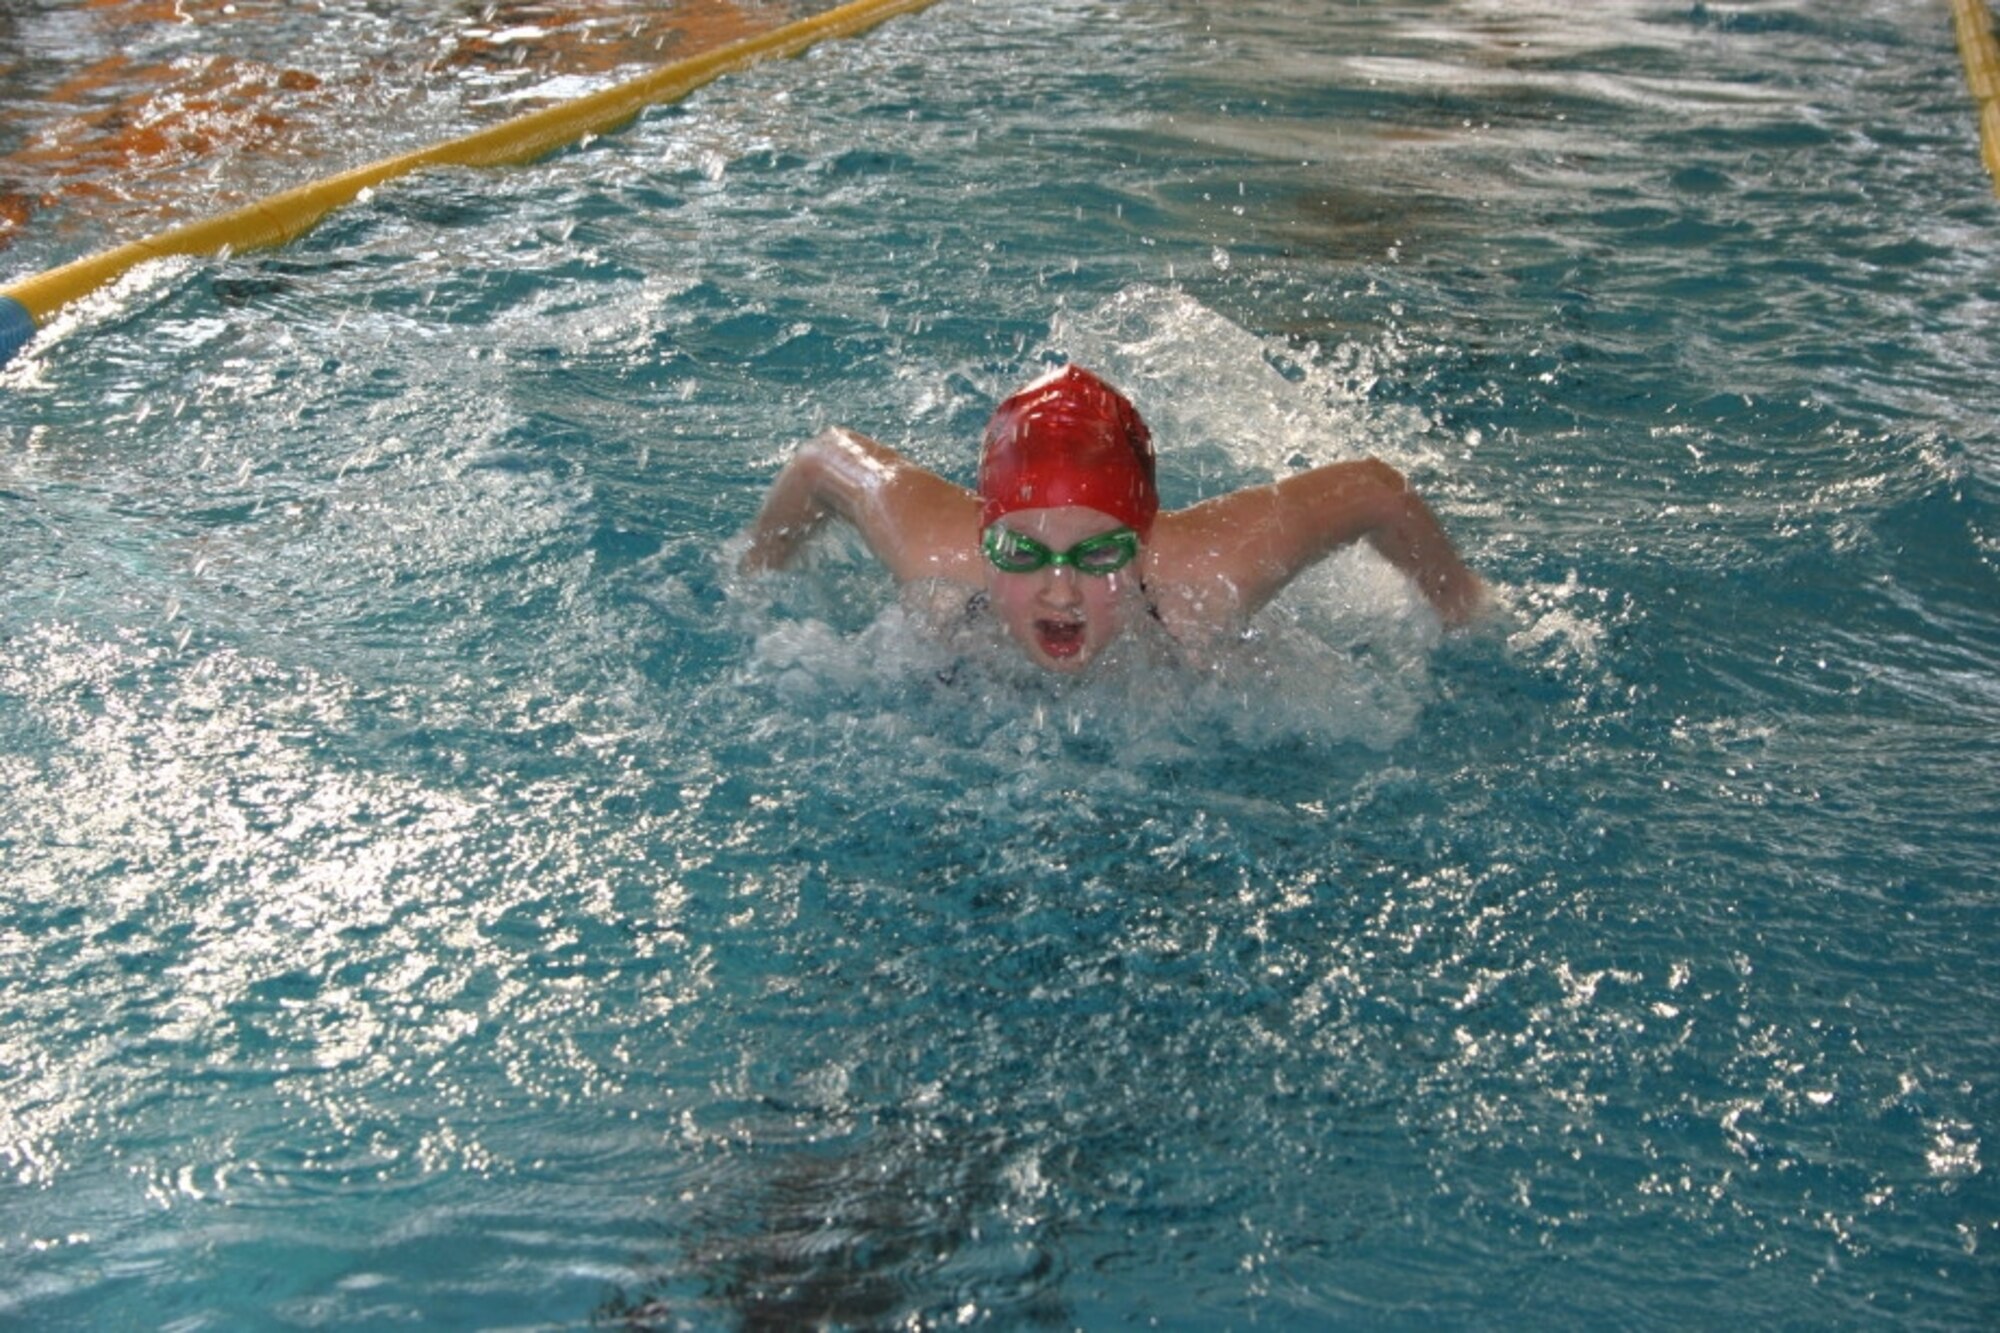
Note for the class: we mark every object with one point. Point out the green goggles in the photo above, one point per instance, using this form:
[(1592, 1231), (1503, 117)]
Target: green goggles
[(1106, 553)]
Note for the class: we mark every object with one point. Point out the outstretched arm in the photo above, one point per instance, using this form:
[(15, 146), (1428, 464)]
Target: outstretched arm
[(918, 524), (1228, 556)]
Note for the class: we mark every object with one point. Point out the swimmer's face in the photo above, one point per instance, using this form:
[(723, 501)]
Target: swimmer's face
[(1062, 619)]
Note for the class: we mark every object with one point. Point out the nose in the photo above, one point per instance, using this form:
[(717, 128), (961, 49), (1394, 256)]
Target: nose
[(1059, 587)]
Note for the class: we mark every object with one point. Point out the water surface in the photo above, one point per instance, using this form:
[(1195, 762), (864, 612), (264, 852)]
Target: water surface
[(437, 887)]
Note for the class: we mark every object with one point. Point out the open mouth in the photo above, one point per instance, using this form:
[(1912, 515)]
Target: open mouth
[(1060, 638)]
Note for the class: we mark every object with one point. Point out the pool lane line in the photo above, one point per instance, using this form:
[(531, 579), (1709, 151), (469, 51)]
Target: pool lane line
[(1980, 50), (26, 305)]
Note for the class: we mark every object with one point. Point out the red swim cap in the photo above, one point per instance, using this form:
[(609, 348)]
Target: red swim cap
[(1069, 439)]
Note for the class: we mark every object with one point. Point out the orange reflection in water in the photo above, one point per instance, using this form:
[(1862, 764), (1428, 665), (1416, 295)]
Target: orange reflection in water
[(145, 144)]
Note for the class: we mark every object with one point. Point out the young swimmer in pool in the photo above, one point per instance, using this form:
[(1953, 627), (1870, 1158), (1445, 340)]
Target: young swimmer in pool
[(1065, 541)]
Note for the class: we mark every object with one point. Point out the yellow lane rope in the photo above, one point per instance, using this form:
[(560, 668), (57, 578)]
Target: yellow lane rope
[(1981, 53), (282, 217)]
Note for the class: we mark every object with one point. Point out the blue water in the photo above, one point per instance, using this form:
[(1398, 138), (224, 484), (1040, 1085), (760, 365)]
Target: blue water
[(439, 891)]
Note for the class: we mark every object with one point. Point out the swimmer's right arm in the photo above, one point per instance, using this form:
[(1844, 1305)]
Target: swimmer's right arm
[(917, 524)]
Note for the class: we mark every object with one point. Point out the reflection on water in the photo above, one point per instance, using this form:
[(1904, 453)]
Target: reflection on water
[(137, 115)]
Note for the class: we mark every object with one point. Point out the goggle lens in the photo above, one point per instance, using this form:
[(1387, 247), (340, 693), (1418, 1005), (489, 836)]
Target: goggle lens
[(1107, 553)]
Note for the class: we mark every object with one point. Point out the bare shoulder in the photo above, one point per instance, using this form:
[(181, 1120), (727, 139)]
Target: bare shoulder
[(936, 525), (1213, 564), (1191, 569)]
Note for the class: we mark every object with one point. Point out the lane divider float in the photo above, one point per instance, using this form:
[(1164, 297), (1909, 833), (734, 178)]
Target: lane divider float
[(1980, 50), (26, 305)]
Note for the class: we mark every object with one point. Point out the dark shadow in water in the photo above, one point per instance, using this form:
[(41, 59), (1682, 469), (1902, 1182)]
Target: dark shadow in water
[(894, 1234)]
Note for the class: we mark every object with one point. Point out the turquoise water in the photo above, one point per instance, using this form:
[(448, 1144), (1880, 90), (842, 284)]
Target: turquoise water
[(438, 891)]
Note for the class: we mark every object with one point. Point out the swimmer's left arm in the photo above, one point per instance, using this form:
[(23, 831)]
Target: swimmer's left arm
[(1255, 541)]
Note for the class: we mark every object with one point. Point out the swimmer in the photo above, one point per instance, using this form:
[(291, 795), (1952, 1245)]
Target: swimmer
[(1064, 538)]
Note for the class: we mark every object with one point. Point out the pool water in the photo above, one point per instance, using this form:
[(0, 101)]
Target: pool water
[(439, 890)]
